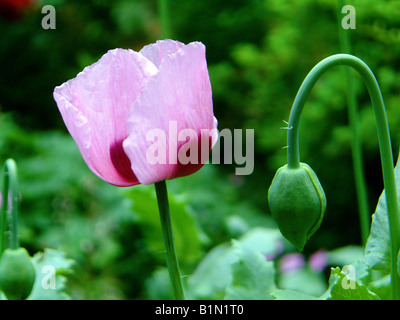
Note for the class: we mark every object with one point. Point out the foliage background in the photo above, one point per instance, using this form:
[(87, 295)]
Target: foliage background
[(258, 53)]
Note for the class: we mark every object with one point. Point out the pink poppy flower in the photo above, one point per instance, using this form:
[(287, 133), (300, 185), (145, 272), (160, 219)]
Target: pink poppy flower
[(113, 108)]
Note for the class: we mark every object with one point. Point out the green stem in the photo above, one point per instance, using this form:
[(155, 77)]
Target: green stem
[(10, 185), (383, 137), (172, 261), (356, 150), (4, 213), (163, 8)]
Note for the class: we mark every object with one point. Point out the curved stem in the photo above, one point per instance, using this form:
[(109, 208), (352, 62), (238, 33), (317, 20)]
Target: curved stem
[(356, 148), (172, 261), (383, 137), (10, 186)]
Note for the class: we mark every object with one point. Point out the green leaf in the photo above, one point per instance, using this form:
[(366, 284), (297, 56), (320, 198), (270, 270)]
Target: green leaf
[(267, 241), (213, 274), (158, 286), (343, 286), (345, 255), (253, 276), (303, 280), (377, 250), (51, 268), (292, 295), (382, 287)]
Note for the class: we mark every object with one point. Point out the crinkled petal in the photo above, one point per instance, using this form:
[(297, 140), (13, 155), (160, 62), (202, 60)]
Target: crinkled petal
[(156, 52), (178, 97), (95, 106)]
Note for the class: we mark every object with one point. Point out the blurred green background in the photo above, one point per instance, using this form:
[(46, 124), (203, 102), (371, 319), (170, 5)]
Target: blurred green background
[(258, 53)]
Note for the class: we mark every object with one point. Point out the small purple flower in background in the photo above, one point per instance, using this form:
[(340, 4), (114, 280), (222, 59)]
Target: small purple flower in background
[(318, 261), (279, 248), (111, 107), (291, 262)]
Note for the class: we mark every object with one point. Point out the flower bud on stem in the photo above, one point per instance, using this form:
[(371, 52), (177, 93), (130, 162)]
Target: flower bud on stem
[(383, 137), (17, 273)]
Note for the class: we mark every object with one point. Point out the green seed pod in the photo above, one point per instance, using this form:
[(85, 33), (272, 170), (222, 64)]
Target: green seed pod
[(17, 274), (297, 203)]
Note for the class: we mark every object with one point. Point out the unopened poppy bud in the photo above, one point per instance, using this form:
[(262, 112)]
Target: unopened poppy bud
[(297, 203), (17, 274)]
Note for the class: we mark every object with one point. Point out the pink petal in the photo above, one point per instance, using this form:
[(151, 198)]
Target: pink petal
[(95, 106), (156, 52), (179, 94)]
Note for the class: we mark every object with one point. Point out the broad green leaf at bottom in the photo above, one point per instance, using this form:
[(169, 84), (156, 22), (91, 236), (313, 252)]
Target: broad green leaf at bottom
[(252, 276), (51, 267), (343, 287)]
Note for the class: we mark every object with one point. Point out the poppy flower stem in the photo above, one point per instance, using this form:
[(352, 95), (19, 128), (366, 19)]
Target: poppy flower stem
[(10, 185), (166, 226), (385, 146)]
